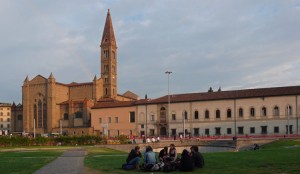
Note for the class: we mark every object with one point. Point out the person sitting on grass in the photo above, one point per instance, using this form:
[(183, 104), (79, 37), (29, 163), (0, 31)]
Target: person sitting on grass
[(163, 154), (134, 157), (186, 162), (172, 153), (149, 157), (197, 157)]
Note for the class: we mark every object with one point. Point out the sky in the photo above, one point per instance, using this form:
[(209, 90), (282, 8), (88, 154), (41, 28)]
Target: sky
[(230, 44)]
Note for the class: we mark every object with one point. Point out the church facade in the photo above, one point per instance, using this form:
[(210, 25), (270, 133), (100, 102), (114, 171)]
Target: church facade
[(53, 107)]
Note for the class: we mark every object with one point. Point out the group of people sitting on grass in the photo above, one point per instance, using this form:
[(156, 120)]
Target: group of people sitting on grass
[(167, 159)]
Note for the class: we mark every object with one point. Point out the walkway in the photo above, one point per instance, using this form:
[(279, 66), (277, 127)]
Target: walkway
[(70, 162)]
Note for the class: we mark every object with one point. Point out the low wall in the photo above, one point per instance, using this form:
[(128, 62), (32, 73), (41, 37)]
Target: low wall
[(186, 143)]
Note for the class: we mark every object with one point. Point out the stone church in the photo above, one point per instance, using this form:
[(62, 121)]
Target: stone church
[(53, 107)]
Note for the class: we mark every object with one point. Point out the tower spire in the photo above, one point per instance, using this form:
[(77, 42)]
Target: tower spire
[(109, 60), (108, 36)]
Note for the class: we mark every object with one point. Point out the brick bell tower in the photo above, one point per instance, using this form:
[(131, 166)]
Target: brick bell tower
[(109, 59)]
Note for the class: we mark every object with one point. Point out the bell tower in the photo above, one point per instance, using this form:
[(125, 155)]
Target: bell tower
[(109, 59)]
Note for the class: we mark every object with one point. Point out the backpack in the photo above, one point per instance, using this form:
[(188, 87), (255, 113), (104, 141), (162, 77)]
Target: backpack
[(148, 167), (128, 166)]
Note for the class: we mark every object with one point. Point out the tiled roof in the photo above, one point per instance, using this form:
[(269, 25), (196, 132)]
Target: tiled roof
[(207, 96), (238, 94)]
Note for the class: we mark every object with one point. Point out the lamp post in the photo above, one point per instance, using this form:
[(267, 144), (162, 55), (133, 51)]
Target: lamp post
[(146, 115), (168, 73), (288, 120)]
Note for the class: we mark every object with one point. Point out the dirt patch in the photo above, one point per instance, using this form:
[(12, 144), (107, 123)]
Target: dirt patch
[(91, 171)]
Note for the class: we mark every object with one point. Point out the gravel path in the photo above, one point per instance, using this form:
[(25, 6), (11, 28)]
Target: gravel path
[(70, 162)]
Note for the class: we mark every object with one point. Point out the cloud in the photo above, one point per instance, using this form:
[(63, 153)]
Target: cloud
[(232, 44)]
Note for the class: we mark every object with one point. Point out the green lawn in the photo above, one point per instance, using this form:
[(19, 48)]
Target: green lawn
[(26, 162), (280, 157)]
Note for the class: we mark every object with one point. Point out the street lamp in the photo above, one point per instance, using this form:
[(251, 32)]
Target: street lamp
[(288, 120), (168, 72), (146, 115)]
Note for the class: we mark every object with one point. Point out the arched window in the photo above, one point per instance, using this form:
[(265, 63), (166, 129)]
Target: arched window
[(241, 112), (228, 113), (45, 116), (276, 111), (40, 115), (163, 114), (252, 112), (196, 115), (264, 111), (218, 114), (207, 114), (289, 110), (8, 113)]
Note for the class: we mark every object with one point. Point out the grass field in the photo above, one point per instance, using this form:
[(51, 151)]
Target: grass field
[(26, 162), (280, 157)]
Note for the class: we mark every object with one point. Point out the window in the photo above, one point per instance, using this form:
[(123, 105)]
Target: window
[(264, 130), (8, 119), (264, 111), (289, 110), (290, 129), (1, 125), (8, 125), (106, 68), (218, 114), (163, 115), (252, 112), (196, 115), (173, 116), (116, 120), (8, 113), (276, 111), (196, 131), (78, 114), (1, 113), (218, 131), (142, 126), (173, 131), (1, 119), (152, 117), (109, 120), (106, 53), (241, 112), (252, 130), (276, 129), (229, 131), (207, 132), (132, 117), (152, 132), (228, 113), (100, 120), (241, 130), (66, 116), (207, 114), (185, 115), (20, 117)]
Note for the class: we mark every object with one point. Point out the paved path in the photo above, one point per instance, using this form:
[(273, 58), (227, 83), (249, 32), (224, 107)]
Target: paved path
[(70, 162)]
